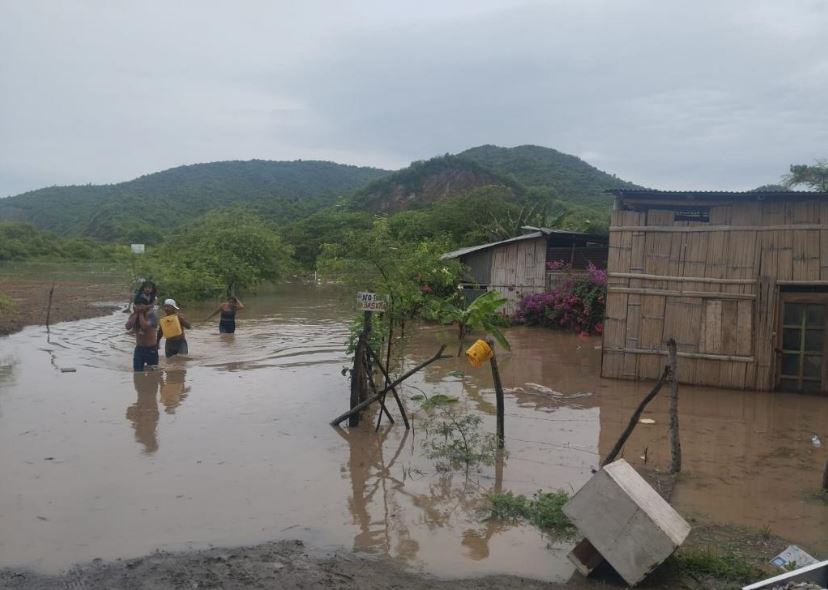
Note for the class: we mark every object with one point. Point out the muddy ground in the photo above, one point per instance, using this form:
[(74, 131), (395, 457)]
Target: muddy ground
[(72, 299), (287, 564), (290, 564)]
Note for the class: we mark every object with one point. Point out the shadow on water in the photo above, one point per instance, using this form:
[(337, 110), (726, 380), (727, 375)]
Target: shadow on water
[(230, 445)]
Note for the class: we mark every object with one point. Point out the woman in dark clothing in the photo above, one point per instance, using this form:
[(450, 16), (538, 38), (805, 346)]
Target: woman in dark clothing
[(228, 309)]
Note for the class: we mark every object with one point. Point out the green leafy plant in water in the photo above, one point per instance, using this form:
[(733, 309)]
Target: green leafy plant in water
[(453, 437), (543, 509), (436, 401), (480, 314), (457, 439)]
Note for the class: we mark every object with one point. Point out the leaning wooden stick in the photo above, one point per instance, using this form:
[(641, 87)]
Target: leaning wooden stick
[(358, 408), (636, 415), (384, 410), (393, 390)]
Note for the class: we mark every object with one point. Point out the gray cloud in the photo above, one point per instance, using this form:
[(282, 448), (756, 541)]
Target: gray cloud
[(704, 95)]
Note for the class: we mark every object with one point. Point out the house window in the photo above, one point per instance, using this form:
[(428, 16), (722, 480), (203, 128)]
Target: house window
[(692, 214)]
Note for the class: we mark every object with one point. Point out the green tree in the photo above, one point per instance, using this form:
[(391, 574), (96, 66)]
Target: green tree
[(814, 177), (407, 272), (221, 253)]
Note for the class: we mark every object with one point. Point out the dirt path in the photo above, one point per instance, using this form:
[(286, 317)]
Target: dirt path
[(71, 300)]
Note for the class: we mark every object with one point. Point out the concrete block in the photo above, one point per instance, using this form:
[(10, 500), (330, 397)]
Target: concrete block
[(626, 521)]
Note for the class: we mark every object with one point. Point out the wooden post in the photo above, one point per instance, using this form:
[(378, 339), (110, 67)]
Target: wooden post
[(675, 442), (501, 438), (361, 371), (825, 478), (359, 407), (49, 306)]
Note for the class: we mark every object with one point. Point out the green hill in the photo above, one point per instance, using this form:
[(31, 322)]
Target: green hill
[(565, 177), (425, 183), (145, 208), (481, 193)]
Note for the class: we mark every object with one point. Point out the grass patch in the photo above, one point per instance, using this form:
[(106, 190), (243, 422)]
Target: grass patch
[(7, 305), (543, 509), (818, 497), (722, 565)]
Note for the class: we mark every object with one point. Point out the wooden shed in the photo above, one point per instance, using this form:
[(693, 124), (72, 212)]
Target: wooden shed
[(518, 266), (739, 279)]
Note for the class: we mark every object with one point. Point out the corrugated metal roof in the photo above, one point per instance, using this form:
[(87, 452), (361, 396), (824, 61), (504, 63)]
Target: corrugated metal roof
[(717, 195), (470, 249), (536, 232)]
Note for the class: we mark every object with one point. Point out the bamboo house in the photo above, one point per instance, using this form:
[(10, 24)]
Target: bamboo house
[(738, 279), (519, 266)]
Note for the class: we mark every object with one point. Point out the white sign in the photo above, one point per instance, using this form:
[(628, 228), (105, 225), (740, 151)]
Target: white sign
[(137, 248), (370, 302)]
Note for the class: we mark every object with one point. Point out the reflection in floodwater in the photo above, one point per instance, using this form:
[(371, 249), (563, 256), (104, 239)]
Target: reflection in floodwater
[(254, 451), (173, 389), (144, 412), (389, 493)]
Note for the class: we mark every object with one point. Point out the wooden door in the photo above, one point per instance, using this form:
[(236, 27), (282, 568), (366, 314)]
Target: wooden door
[(801, 356)]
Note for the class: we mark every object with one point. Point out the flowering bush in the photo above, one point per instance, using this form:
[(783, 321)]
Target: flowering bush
[(557, 265), (576, 305)]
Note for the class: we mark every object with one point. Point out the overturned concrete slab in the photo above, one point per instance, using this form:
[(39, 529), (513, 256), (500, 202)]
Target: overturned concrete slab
[(624, 520)]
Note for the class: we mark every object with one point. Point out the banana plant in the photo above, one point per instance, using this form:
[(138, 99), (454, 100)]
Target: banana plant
[(481, 314)]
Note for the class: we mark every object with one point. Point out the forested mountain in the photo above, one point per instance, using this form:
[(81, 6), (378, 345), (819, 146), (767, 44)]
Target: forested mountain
[(484, 193), (429, 182), (144, 209), (566, 177)]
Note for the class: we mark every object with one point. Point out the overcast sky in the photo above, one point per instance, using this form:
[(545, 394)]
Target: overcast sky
[(719, 94)]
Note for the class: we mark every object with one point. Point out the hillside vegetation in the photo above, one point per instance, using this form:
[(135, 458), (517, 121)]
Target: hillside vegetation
[(482, 194), (566, 177), (144, 209)]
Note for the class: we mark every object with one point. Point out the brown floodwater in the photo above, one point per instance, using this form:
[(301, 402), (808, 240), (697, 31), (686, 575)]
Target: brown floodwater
[(232, 446)]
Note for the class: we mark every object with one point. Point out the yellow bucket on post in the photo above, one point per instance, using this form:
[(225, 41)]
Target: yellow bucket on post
[(479, 352)]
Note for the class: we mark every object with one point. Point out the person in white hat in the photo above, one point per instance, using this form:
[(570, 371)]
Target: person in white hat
[(171, 327)]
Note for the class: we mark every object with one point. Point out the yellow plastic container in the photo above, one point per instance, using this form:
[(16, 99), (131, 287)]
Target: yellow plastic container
[(479, 352), (170, 326)]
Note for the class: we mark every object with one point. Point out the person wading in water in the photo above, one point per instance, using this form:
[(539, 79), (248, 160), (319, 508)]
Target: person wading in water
[(171, 326), (228, 309), (144, 323)]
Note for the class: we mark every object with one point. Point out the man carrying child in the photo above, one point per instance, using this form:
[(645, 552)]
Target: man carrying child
[(144, 323)]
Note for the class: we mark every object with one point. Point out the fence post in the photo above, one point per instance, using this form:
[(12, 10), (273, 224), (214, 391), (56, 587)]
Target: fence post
[(675, 442)]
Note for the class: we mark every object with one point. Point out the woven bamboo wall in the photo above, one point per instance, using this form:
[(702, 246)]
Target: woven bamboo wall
[(518, 269), (725, 322)]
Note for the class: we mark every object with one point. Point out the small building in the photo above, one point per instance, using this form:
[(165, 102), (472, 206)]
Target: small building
[(519, 266), (738, 279)]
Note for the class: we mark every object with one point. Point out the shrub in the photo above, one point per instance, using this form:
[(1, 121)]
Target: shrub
[(576, 305), (543, 509)]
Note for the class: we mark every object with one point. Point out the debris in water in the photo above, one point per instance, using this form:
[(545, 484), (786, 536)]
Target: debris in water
[(815, 441), (646, 421), (625, 522), (792, 557), (68, 370)]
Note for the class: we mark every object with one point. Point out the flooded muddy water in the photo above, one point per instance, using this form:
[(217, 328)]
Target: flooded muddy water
[(231, 445)]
